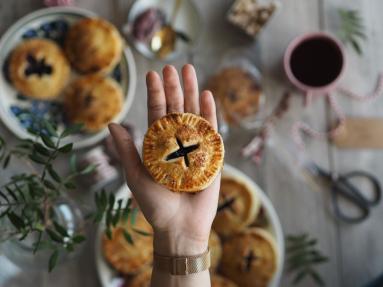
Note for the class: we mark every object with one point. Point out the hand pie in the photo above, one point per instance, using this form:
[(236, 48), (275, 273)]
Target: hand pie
[(38, 69), (183, 152), (122, 255), (237, 92), (250, 258), (93, 100), (142, 279), (93, 46), (237, 207), (219, 281), (215, 247)]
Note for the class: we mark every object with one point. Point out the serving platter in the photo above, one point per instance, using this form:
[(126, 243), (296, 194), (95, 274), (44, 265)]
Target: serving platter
[(16, 109), (110, 278)]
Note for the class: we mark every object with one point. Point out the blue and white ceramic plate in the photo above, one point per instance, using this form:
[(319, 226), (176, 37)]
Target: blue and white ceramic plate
[(16, 109)]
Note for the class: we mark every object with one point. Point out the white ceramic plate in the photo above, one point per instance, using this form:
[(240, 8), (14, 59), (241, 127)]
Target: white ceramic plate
[(187, 20), (109, 277), (39, 24)]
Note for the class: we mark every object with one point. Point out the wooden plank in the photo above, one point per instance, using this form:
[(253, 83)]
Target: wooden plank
[(361, 245), (301, 207)]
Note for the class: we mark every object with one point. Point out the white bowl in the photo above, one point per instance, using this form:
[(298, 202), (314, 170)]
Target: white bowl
[(8, 95), (187, 20), (109, 277)]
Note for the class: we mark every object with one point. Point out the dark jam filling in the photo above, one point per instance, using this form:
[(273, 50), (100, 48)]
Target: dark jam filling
[(228, 203), (37, 67), (249, 259), (182, 152)]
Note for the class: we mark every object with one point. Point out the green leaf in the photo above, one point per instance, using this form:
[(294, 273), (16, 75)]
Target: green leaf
[(125, 214), (112, 199), (300, 275), (11, 193), (70, 185), (117, 214), (66, 148), (37, 159), (60, 229), (53, 260), (6, 161), (142, 232), (48, 141), (54, 235), (73, 129), (49, 184), (133, 217), (16, 220), (316, 277), (53, 174), (72, 163), (36, 245), (3, 196), (23, 235), (78, 238), (104, 199), (89, 169), (128, 237), (39, 148), (69, 247), (50, 128), (108, 233)]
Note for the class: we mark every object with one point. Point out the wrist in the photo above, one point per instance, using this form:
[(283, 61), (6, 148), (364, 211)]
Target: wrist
[(177, 244)]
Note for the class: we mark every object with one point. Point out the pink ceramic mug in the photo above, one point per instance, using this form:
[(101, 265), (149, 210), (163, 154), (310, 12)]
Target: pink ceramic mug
[(314, 63)]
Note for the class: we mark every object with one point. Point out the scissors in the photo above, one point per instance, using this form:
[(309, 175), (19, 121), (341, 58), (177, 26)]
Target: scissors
[(342, 186)]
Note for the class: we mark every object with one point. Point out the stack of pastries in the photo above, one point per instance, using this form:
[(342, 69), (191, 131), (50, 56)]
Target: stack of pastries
[(75, 73), (243, 251)]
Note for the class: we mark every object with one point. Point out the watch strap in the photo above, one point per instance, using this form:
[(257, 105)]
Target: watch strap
[(182, 265)]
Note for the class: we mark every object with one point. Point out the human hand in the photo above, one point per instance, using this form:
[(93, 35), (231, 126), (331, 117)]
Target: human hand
[(181, 221)]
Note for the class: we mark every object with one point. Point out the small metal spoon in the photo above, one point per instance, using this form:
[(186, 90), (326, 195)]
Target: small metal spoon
[(164, 40)]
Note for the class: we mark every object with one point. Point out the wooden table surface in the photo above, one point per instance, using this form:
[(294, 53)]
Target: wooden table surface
[(356, 251)]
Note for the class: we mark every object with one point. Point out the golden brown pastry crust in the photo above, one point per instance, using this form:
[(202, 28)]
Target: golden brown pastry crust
[(237, 207), (142, 279), (250, 258), (215, 247), (237, 92), (93, 100), (38, 69), (93, 45), (219, 281), (125, 257), (202, 144)]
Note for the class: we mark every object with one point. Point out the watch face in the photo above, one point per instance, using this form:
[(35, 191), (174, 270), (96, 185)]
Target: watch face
[(183, 152)]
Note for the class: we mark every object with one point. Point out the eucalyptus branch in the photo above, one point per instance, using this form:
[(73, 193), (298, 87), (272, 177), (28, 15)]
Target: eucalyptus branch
[(303, 257), (351, 30), (26, 200)]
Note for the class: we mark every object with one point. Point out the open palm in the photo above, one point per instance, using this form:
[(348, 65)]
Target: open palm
[(184, 216)]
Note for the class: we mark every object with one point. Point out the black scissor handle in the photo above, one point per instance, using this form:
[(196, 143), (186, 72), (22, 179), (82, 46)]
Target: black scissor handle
[(338, 190), (376, 187)]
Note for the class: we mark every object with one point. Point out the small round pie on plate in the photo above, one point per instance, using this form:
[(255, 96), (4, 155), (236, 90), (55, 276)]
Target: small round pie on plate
[(238, 206), (237, 91), (93, 45), (219, 281), (250, 258), (215, 247), (93, 100), (183, 152), (38, 69), (122, 255), (142, 279)]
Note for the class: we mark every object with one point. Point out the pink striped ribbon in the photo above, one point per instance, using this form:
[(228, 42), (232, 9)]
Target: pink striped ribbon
[(300, 127)]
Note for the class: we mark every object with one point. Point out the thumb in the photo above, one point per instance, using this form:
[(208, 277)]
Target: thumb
[(127, 151)]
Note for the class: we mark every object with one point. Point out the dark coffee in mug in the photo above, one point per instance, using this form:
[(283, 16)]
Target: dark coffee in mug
[(316, 61)]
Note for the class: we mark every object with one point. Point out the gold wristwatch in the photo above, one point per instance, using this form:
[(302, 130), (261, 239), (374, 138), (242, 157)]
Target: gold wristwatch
[(182, 265)]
